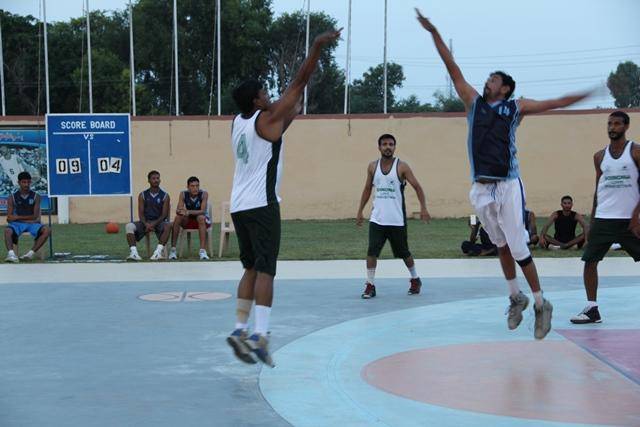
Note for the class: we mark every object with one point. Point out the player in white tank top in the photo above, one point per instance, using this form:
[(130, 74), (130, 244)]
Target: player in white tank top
[(256, 180), (388, 177), (256, 140), (616, 208)]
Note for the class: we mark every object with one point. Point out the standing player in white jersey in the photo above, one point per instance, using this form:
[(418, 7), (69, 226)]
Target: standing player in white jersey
[(616, 208), (497, 193), (388, 176), (256, 138)]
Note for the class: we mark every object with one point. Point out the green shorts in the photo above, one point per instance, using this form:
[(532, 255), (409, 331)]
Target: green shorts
[(604, 233), (258, 232), (397, 236)]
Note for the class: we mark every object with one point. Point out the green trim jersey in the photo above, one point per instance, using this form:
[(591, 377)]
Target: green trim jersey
[(617, 191), (256, 181), (388, 205)]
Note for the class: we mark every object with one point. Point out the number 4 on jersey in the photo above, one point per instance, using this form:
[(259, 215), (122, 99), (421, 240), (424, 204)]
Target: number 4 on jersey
[(241, 152)]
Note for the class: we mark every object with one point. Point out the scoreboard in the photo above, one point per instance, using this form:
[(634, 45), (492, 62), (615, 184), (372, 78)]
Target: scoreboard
[(89, 154)]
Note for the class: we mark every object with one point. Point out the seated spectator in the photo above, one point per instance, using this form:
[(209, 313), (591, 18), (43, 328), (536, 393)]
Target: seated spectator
[(153, 210), (23, 215), (191, 214), (485, 247), (532, 229), (565, 222)]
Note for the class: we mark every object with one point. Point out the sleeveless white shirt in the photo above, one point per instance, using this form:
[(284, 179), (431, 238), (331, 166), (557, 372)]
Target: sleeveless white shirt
[(618, 193), (11, 168), (256, 181), (388, 205)]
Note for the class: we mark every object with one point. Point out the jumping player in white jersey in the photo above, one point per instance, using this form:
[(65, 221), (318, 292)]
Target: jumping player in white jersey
[(616, 208), (256, 138), (388, 176), (10, 165), (497, 193)]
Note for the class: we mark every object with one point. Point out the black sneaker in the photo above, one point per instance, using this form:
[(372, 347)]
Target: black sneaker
[(369, 291), (588, 315), (416, 284)]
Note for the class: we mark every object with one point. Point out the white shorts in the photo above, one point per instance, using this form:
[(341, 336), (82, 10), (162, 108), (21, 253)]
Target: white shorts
[(500, 208)]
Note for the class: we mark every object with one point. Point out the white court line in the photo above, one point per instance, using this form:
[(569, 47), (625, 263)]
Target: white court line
[(338, 269)]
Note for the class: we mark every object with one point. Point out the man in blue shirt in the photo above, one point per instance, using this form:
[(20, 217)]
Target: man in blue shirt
[(23, 216), (497, 193)]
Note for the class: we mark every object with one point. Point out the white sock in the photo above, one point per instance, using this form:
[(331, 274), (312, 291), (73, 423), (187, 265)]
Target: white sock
[(241, 325), (591, 304), (371, 274), (133, 250), (11, 253), (262, 313), (514, 289), (537, 296), (412, 271), (203, 251)]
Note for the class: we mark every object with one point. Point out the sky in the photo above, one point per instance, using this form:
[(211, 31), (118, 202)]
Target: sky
[(550, 47)]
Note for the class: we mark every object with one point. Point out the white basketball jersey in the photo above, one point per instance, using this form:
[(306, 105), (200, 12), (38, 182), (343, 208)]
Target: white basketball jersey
[(11, 168), (618, 192), (388, 205), (256, 181)]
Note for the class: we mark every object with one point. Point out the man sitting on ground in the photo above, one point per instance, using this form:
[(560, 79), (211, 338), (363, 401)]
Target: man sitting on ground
[(23, 215), (532, 230), (191, 214), (153, 210), (565, 222), (485, 247)]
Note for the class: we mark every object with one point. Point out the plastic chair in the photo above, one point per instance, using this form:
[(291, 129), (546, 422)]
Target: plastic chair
[(226, 228)]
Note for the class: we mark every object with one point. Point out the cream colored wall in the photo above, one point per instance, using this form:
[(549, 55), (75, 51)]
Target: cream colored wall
[(325, 161)]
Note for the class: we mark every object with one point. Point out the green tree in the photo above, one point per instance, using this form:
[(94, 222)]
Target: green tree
[(448, 104), (287, 51), (24, 86), (412, 105), (624, 85), (367, 94)]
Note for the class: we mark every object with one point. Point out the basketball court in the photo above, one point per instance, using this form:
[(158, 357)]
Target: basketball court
[(144, 345)]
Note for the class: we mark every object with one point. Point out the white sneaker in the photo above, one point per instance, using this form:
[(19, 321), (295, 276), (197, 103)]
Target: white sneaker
[(157, 255), (28, 256), (554, 247), (615, 246), (173, 254), (203, 255), (11, 257), (133, 256)]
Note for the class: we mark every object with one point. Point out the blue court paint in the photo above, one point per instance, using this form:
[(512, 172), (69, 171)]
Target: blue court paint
[(94, 354)]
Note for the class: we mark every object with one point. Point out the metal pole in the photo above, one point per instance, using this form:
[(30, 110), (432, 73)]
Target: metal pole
[(219, 68), (306, 53), (175, 52), (385, 57), (4, 110), (448, 77), (133, 70), (46, 55), (348, 66), (46, 90), (89, 60)]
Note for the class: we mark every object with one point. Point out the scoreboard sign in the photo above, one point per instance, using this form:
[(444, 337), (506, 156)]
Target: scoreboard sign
[(89, 154)]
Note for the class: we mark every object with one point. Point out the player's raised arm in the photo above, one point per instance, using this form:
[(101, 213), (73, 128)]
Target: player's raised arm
[(271, 124), (530, 106), (465, 91)]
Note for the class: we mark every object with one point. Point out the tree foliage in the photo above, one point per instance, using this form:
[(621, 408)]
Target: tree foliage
[(624, 85)]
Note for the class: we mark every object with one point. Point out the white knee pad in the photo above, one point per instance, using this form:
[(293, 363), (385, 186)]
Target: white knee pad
[(130, 228)]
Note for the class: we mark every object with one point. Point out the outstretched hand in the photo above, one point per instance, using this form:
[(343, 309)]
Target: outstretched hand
[(426, 24), (328, 36)]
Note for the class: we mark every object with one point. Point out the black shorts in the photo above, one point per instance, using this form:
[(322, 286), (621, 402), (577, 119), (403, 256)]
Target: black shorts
[(604, 233), (141, 229), (397, 236), (258, 232)]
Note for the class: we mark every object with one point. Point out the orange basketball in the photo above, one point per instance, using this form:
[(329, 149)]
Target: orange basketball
[(112, 228)]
